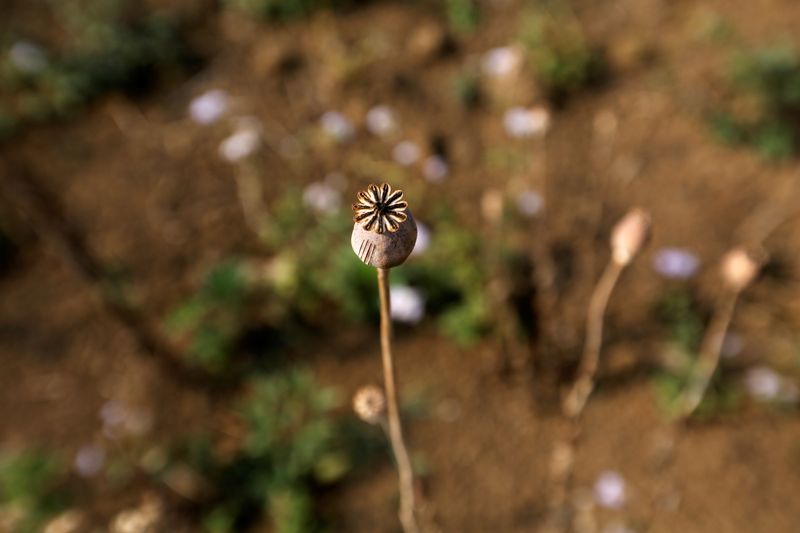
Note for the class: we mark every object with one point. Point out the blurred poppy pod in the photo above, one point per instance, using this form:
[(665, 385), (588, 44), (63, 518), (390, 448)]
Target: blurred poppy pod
[(369, 403), (384, 231), (739, 268), (629, 235)]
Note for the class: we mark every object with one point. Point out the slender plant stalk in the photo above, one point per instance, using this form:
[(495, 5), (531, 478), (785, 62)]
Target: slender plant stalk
[(584, 383), (708, 360), (562, 459), (404, 470)]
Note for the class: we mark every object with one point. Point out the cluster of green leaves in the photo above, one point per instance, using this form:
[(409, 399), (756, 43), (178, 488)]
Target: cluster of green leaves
[(32, 488), (764, 111), (679, 312), (561, 57), (462, 15), (327, 273), (212, 319), (108, 47), (293, 444), (314, 280)]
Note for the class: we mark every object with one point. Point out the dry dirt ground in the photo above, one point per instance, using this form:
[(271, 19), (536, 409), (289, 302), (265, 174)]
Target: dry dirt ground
[(152, 194)]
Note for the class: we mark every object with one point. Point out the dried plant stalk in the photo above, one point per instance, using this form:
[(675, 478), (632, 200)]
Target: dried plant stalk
[(739, 268), (582, 388), (404, 469), (708, 360)]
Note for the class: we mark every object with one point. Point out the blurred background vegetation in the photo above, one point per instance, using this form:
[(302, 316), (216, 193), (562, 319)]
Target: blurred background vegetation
[(183, 320)]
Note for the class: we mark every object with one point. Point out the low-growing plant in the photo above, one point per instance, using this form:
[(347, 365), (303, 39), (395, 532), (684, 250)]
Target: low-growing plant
[(106, 48), (32, 489), (763, 110), (292, 443), (209, 322), (462, 15), (563, 60)]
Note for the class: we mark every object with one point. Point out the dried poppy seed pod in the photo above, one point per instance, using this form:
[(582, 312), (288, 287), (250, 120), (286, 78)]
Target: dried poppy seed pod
[(739, 268), (369, 403), (629, 235), (384, 232)]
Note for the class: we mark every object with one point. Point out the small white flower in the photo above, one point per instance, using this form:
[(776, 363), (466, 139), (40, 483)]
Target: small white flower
[(522, 122), (501, 62), (406, 153), (240, 144), (337, 126), (27, 57), (530, 203), (423, 239), (676, 263), (408, 304), (381, 121), (321, 198), (609, 490), (435, 169), (209, 106), (89, 460), (763, 383)]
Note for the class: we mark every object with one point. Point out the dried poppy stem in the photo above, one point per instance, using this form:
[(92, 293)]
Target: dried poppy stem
[(738, 270), (627, 238), (404, 469), (708, 360), (384, 234), (582, 388)]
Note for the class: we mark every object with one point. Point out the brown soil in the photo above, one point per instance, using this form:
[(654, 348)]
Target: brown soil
[(150, 192)]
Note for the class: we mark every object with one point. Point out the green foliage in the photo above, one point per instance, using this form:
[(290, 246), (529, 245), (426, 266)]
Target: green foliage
[(720, 396), (462, 15), (467, 89), (453, 281), (32, 482), (292, 444), (212, 319), (685, 324), (764, 108), (563, 60), (329, 276), (107, 48)]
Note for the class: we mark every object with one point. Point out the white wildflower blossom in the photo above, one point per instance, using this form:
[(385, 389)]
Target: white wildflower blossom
[(209, 106), (408, 304)]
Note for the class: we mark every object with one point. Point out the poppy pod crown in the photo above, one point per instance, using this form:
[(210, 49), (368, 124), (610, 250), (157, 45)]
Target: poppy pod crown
[(384, 231)]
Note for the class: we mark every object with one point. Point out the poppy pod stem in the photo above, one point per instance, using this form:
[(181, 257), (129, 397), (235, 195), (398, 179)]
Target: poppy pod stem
[(395, 430), (627, 238), (384, 234), (738, 270)]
